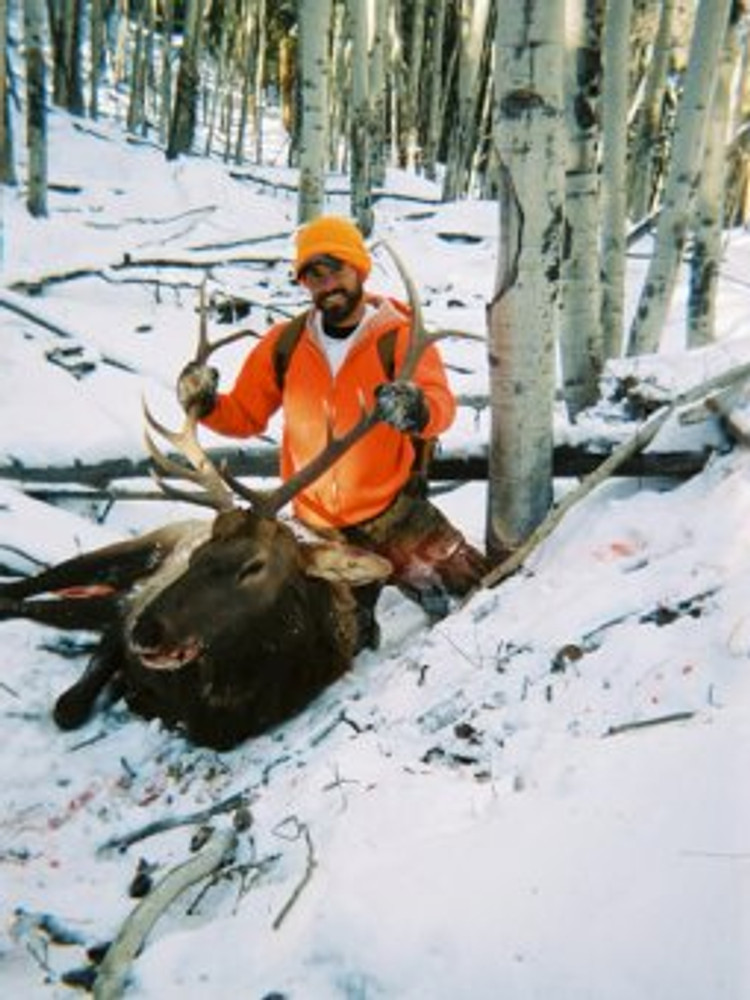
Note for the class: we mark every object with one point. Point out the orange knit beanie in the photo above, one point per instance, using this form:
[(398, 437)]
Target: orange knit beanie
[(335, 236)]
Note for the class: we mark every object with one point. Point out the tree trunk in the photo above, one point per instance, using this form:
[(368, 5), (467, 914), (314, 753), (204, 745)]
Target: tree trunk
[(7, 162), (377, 88), (682, 175), (614, 173), (339, 91), (708, 226), (165, 83), (96, 54), (136, 121), (523, 315), (649, 121), (182, 127), (474, 19), (433, 131), (581, 350), (259, 81), (413, 83), (314, 54), (361, 200), (36, 108), (73, 57)]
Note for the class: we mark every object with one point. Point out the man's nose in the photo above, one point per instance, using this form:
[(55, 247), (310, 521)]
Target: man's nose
[(328, 280)]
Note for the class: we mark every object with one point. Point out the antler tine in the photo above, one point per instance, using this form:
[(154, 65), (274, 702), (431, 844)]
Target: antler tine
[(420, 338), (205, 347), (203, 471)]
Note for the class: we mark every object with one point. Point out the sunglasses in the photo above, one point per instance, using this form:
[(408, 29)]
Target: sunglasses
[(321, 267)]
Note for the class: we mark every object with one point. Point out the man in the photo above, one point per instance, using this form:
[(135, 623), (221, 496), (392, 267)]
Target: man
[(337, 362)]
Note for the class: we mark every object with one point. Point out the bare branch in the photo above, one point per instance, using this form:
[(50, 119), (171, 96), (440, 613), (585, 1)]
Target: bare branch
[(113, 972)]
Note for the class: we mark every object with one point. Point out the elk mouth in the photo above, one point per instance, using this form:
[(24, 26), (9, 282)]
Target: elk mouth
[(169, 657)]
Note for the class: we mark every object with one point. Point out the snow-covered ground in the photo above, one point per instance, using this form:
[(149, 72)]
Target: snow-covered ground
[(540, 797)]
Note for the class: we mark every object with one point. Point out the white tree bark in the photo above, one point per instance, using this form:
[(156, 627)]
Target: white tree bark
[(183, 121), (646, 138), (708, 226), (614, 105), (474, 16), (682, 176), (36, 108), (361, 203), (433, 124), (378, 19), (314, 29), (7, 163), (413, 83), (524, 314), (581, 351)]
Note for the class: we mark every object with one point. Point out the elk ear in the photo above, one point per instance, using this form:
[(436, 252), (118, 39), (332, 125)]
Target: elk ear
[(339, 563)]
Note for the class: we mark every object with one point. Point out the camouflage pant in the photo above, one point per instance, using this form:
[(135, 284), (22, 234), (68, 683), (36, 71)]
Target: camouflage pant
[(431, 559)]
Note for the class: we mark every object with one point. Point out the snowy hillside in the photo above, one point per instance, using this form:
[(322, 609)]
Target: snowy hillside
[(540, 797)]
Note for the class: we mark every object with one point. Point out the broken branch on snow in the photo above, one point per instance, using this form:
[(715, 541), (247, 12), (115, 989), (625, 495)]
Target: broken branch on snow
[(113, 972)]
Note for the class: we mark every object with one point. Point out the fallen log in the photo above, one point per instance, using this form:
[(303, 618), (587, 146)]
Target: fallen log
[(569, 462)]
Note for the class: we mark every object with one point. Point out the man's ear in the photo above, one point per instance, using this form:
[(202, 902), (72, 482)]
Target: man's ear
[(341, 563)]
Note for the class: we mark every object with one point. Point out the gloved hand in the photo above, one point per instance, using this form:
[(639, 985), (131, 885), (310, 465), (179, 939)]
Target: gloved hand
[(402, 405), (197, 387)]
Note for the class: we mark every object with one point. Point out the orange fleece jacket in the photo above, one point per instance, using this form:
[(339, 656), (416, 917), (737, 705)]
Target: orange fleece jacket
[(365, 480)]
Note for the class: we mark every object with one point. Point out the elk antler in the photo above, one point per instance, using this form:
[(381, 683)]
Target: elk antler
[(201, 470), (206, 348)]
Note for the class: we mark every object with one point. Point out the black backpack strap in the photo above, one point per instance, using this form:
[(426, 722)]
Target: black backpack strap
[(285, 345), (387, 353)]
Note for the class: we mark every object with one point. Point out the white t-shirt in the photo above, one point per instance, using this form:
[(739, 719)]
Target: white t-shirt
[(337, 348)]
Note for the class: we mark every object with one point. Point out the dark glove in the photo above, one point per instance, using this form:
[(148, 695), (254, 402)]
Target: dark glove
[(197, 387), (402, 405)]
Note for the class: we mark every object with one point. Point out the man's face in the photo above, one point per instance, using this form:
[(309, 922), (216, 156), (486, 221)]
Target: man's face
[(336, 289)]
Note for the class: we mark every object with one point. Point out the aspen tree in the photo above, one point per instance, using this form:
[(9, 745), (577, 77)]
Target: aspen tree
[(183, 120), (7, 164), (581, 351), (523, 315), (359, 160), (614, 105), (433, 127), (314, 68), (474, 19), (708, 222), (649, 120), (682, 175), (36, 108), (377, 89)]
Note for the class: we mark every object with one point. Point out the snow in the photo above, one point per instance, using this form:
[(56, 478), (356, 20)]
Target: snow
[(541, 796)]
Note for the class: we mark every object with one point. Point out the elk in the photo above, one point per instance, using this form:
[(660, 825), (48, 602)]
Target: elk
[(223, 628)]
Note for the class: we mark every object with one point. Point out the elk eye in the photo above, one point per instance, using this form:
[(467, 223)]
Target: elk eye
[(251, 568)]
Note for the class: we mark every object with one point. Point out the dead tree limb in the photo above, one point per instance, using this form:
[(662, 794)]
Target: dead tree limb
[(93, 480), (113, 972), (125, 841)]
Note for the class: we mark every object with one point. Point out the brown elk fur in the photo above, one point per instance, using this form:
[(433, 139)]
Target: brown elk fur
[(220, 631)]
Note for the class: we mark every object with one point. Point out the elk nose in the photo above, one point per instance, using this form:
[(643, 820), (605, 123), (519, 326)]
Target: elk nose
[(148, 632)]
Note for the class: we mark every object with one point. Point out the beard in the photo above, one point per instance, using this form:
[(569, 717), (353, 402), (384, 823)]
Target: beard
[(338, 304)]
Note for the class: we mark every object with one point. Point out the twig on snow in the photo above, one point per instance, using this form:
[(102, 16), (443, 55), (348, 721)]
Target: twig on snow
[(113, 972), (310, 866), (659, 720), (171, 822)]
